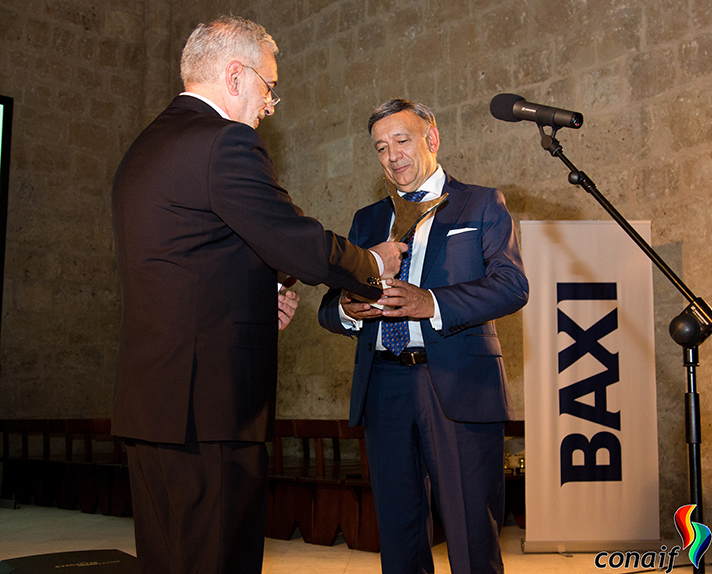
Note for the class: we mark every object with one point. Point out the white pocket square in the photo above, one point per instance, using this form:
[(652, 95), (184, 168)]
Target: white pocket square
[(460, 230)]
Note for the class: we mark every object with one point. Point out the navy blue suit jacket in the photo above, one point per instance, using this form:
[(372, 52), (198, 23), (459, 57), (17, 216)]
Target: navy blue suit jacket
[(477, 276)]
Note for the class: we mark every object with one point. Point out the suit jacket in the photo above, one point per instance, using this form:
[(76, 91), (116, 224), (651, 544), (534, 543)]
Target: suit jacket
[(201, 228), (477, 276)]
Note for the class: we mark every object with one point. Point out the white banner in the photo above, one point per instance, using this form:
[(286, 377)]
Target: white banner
[(589, 380)]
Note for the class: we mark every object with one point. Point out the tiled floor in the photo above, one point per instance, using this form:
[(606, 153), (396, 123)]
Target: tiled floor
[(32, 530)]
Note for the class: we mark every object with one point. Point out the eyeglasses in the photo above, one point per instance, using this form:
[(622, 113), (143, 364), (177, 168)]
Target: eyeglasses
[(275, 98)]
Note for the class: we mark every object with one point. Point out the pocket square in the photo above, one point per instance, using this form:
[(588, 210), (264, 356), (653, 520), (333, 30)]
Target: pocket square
[(460, 230)]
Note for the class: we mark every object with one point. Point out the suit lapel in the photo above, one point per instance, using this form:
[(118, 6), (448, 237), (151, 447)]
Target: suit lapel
[(380, 223), (445, 218)]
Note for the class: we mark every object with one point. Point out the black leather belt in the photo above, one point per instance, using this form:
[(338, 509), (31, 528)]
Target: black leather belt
[(408, 357)]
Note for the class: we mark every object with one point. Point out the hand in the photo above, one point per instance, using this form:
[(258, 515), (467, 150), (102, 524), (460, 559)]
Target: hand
[(391, 252), (357, 309), (287, 302), (407, 300)]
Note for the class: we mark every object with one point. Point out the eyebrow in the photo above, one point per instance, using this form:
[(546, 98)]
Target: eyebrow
[(395, 135)]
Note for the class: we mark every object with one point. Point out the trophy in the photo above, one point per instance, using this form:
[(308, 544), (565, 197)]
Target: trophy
[(407, 216), (408, 213)]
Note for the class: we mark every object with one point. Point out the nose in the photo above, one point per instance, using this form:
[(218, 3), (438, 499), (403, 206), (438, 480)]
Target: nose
[(393, 154), (269, 109)]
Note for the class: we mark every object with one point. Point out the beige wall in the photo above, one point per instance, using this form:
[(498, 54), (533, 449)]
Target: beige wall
[(86, 77)]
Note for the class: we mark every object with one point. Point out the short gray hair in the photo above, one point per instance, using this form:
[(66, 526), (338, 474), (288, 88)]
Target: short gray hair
[(398, 105), (211, 46)]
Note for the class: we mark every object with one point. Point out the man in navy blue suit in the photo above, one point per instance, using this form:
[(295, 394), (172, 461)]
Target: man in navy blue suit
[(429, 384)]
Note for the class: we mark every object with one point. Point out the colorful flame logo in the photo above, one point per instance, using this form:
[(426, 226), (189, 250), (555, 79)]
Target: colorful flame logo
[(695, 535)]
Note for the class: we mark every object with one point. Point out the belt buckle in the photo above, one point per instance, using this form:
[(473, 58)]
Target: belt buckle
[(408, 360)]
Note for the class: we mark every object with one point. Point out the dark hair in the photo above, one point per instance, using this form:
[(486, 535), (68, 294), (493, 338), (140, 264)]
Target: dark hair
[(398, 105)]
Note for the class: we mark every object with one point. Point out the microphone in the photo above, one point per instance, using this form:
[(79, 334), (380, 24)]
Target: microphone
[(514, 108)]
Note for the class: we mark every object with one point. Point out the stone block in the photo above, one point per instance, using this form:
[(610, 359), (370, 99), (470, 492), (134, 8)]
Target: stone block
[(12, 28), (109, 50), (317, 6), (489, 76), (696, 57), (327, 24), (63, 42), (132, 56), (339, 157), (464, 45), (701, 14), (299, 39), (665, 20), (405, 24), (87, 135), (650, 73), (86, 48), (684, 117), (50, 159), (37, 33), (506, 26), (603, 87), (445, 13), (86, 17), (351, 13), (53, 69), (359, 75), (619, 31), (372, 36), (421, 88)]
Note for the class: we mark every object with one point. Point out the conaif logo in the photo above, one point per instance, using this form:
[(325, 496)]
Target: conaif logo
[(695, 535)]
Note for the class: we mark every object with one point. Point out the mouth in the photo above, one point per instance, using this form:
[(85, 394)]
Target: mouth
[(399, 170)]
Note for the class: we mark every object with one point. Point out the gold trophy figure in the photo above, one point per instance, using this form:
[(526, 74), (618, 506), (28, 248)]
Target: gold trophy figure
[(408, 213), (407, 216)]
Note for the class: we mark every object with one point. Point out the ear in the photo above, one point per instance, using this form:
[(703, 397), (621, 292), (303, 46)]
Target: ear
[(232, 77), (433, 139)]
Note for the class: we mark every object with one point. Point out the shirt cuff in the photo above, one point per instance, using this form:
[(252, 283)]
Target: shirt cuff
[(349, 323), (379, 261), (436, 321)]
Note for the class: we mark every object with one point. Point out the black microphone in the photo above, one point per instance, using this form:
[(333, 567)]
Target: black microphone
[(514, 108)]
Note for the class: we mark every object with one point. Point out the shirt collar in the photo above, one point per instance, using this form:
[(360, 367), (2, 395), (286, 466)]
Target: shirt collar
[(433, 185), (213, 105)]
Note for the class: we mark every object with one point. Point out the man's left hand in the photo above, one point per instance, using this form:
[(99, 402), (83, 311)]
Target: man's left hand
[(287, 302), (408, 300)]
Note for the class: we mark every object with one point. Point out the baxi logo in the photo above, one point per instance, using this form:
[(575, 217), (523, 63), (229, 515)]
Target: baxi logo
[(695, 535)]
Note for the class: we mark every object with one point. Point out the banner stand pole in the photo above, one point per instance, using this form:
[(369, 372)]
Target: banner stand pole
[(689, 329)]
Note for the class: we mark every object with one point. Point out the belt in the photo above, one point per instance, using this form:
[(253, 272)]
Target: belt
[(408, 357)]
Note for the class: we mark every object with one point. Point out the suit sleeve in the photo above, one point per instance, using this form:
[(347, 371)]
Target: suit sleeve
[(503, 290), (245, 194), (329, 316)]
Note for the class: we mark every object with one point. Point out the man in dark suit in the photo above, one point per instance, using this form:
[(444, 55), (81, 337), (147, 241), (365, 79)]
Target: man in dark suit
[(429, 384), (202, 228)]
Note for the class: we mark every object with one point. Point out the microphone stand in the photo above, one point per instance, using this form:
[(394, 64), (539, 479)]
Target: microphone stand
[(689, 329)]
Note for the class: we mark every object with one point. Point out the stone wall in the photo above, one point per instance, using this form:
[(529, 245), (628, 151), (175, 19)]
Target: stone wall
[(75, 71), (87, 76)]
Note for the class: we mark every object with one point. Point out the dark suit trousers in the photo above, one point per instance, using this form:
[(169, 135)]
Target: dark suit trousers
[(199, 507), (413, 450)]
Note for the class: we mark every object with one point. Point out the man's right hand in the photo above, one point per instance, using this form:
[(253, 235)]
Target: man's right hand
[(391, 253)]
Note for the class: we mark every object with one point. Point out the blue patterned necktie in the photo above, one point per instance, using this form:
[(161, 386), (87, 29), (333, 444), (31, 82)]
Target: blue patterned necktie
[(394, 334)]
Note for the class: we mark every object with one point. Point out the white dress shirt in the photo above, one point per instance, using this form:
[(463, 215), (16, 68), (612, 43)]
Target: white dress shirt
[(434, 188), (212, 104)]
